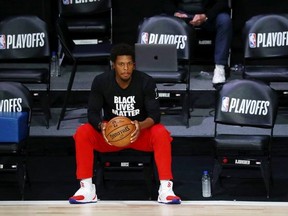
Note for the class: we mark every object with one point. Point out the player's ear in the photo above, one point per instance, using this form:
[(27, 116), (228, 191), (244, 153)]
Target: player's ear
[(112, 65)]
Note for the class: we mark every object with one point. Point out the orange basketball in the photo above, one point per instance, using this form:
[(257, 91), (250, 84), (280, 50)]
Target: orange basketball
[(118, 131)]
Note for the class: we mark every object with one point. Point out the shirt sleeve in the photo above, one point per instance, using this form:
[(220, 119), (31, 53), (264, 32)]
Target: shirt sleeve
[(152, 101), (95, 104), (168, 7), (218, 7)]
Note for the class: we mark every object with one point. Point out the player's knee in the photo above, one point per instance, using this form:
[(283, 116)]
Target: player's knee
[(160, 130), (82, 131)]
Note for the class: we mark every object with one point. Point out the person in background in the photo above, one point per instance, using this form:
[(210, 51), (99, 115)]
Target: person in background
[(140, 94), (210, 15)]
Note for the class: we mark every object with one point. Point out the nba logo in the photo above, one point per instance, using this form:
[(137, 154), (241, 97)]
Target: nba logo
[(252, 40), (225, 104), (144, 38), (2, 42)]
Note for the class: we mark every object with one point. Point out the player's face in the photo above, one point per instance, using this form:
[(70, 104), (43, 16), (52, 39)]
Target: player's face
[(124, 67)]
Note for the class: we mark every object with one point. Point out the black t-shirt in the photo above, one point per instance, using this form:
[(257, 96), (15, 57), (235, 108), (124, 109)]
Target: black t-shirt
[(137, 102)]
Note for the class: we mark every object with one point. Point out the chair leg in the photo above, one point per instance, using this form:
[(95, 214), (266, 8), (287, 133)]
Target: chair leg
[(266, 174), (22, 178), (186, 109), (217, 169), (68, 91), (45, 103), (99, 179), (148, 173)]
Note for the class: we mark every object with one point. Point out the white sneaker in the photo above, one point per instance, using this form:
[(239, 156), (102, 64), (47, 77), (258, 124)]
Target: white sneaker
[(219, 75), (86, 194), (166, 194)]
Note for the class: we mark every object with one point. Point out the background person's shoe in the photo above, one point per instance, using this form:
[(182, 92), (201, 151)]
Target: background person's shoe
[(219, 75)]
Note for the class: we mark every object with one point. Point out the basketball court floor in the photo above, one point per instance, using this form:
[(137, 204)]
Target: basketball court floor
[(144, 208)]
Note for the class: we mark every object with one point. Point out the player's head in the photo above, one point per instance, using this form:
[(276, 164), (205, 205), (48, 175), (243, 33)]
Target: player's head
[(123, 61)]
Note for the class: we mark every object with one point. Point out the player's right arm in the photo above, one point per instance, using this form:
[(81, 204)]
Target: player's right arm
[(95, 104)]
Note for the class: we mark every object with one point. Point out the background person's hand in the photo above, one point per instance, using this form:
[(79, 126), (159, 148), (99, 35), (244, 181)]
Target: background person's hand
[(198, 19), (180, 15)]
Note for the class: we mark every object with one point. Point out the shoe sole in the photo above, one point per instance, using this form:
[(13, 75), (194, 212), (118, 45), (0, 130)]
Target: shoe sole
[(174, 201), (73, 201)]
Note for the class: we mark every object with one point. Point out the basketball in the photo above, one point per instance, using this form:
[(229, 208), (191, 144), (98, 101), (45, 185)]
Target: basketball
[(118, 131)]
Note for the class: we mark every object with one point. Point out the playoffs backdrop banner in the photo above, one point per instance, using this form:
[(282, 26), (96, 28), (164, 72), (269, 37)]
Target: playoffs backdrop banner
[(266, 36), (23, 37)]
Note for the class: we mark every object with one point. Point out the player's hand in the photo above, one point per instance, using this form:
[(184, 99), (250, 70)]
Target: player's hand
[(103, 129), (136, 133)]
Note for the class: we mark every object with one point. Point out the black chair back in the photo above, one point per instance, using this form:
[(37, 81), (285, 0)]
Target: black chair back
[(163, 29), (265, 36), (246, 103), (89, 20), (24, 37), (64, 37), (266, 48), (68, 7), (15, 97)]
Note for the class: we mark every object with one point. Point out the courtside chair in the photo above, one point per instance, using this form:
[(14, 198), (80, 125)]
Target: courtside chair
[(25, 56), (245, 115), (265, 48), (89, 21), (160, 27), (16, 103), (266, 52), (77, 53)]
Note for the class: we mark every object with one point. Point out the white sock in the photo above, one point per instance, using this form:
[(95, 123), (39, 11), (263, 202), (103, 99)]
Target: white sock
[(164, 183), (87, 182), (219, 67)]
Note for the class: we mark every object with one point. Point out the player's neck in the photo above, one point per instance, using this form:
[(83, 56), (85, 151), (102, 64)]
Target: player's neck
[(123, 83)]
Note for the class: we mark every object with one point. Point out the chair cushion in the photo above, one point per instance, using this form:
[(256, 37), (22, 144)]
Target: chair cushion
[(267, 73), (242, 142), (26, 75), (92, 51), (169, 76), (89, 25), (13, 127)]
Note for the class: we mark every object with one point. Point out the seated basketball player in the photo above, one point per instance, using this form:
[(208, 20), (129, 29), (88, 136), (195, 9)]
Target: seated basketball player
[(123, 91)]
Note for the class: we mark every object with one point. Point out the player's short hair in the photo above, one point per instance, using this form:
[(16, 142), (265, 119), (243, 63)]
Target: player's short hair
[(122, 49)]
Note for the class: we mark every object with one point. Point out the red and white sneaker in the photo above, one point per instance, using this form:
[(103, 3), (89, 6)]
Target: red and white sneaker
[(86, 194), (166, 194)]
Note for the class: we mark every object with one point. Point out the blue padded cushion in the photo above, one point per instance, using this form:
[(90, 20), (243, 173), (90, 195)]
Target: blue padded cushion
[(13, 126)]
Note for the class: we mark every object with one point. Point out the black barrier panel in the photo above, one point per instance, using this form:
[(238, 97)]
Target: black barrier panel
[(266, 36), (23, 37), (166, 30), (240, 99), (75, 7)]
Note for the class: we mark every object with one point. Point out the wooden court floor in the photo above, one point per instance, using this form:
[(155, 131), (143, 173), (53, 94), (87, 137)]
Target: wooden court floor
[(144, 208)]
